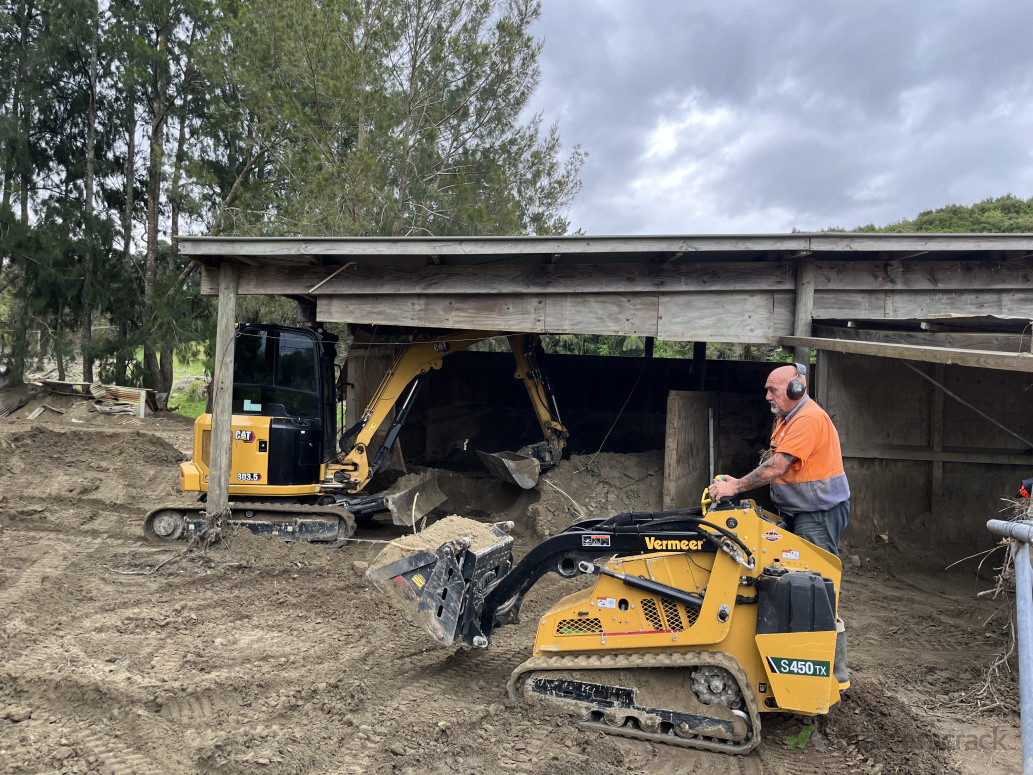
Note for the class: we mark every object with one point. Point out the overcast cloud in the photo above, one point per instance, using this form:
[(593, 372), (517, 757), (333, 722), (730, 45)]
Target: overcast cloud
[(734, 116)]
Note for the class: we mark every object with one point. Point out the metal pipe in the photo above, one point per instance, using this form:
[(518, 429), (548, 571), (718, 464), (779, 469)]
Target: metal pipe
[(1021, 532)]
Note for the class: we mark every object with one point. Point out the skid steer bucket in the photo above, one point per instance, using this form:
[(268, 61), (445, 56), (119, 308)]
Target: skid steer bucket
[(513, 467), (440, 576), (412, 497)]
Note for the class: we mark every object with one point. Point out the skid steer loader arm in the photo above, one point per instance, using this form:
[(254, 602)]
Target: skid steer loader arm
[(483, 590)]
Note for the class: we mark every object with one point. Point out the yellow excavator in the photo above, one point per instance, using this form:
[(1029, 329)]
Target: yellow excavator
[(698, 623), (293, 477)]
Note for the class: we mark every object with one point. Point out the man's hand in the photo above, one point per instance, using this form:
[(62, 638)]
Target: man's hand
[(723, 487)]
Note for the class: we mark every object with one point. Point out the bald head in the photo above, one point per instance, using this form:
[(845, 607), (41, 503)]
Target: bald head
[(775, 390)]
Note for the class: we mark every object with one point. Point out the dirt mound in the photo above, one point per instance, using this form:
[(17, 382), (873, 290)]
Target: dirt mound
[(597, 486), (870, 722), (100, 480)]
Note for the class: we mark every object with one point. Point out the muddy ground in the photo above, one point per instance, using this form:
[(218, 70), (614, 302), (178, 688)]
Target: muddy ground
[(259, 657)]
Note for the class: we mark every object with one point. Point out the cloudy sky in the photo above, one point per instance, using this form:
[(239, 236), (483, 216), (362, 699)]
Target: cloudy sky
[(728, 116)]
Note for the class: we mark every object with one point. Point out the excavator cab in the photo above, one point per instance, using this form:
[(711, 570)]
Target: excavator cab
[(284, 424)]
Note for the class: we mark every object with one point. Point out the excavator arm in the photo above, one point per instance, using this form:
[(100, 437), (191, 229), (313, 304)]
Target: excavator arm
[(401, 384)]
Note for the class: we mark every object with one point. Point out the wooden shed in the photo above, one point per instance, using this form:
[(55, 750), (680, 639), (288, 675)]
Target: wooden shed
[(923, 340)]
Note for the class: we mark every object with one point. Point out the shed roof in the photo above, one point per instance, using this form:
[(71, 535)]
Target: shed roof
[(406, 251)]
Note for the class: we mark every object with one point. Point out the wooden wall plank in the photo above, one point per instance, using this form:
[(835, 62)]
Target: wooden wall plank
[(717, 317), (545, 279), (923, 275), (506, 313), (964, 340), (921, 305), (681, 275), (602, 313), (978, 358)]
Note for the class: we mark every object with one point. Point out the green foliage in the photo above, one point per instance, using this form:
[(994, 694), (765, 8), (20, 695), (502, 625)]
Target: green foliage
[(1003, 214), (391, 117), (124, 123)]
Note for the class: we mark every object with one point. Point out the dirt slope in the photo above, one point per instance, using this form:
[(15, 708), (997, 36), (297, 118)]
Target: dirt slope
[(261, 657)]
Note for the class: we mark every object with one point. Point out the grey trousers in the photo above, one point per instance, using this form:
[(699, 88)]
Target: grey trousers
[(821, 528)]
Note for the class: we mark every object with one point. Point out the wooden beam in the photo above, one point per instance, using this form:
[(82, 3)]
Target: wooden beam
[(978, 457), (686, 451), (922, 305), (804, 309), (353, 279), (963, 340), (936, 437), (717, 317), (222, 399), (977, 358), (630, 272), (850, 244)]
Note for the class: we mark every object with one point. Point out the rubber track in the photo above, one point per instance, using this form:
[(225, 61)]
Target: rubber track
[(293, 509), (650, 661)]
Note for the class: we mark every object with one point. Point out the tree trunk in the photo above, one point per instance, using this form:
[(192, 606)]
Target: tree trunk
[(156, 156), (86, 329)]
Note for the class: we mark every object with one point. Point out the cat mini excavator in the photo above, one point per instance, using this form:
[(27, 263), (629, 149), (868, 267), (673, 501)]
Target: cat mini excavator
[(292, 475), (697, 624)]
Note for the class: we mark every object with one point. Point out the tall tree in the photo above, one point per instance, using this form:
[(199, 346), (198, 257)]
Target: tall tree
[(398, 117)]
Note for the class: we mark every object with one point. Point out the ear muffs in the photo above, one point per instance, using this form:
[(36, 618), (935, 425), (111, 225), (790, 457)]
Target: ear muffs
[(797, 388)]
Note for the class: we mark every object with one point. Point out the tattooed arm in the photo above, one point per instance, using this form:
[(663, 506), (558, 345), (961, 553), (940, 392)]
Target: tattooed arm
[(766, 472)]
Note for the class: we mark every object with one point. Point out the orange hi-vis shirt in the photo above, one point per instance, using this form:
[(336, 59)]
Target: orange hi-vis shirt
[(816, 481)]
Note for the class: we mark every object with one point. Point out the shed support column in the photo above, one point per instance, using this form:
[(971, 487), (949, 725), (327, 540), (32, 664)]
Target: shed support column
[(699, 365), (687, 461), (222, 399), (936, 439), (804, 307)]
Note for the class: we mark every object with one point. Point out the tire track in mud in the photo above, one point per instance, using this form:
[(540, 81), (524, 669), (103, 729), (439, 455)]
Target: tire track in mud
[(53, 562), (120, 759)]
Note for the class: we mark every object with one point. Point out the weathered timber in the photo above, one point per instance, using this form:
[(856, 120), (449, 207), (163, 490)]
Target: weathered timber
[(917, 305), (927, 455), (804, 307), (598, 313), (717, 317), (210, 250), (839, 276), (977, 358), (1013, 343), (222, 395), (503, 312), (687, 448), (544, 279)]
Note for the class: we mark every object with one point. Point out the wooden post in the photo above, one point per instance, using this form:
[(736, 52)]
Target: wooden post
[(306, 310), (687, 449), (222, 400), (936, 438), (804, 307), (699, 365)]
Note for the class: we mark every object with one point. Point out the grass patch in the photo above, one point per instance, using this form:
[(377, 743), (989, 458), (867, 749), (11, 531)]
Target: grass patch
[(191, 402), (187, 406)]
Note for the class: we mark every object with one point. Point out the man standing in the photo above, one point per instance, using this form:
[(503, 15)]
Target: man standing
[(805, 470)]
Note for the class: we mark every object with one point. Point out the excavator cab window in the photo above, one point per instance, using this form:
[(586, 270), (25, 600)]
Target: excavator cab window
[(275, 373)]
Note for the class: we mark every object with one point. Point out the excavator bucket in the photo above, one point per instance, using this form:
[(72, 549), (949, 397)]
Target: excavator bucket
[(438, 577), (513, 467), (412, 497)]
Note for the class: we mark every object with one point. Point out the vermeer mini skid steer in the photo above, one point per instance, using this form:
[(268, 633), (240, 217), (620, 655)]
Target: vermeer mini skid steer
[(696, 624)]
